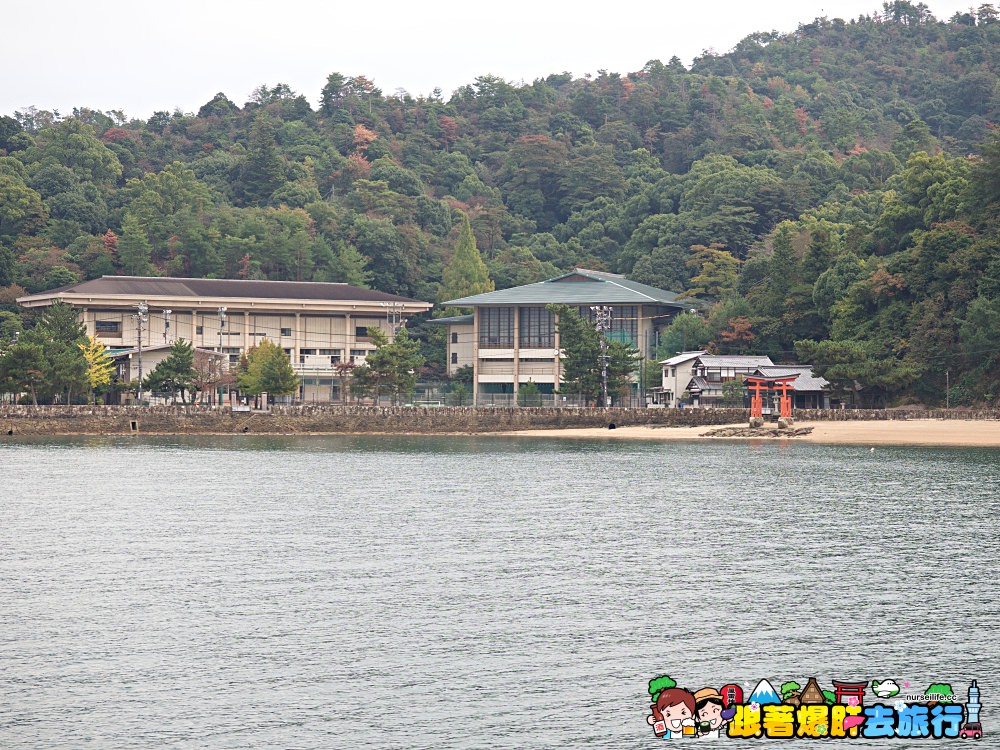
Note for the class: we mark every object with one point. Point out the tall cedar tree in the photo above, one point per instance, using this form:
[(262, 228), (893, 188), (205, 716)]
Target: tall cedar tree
[(134, 248), (466, 274), (264, 169)]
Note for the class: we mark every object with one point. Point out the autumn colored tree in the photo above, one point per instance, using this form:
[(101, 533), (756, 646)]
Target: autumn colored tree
[(100, 367), (737, 337), (717, 273)]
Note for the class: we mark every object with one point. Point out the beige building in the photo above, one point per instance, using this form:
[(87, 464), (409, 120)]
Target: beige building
[(319, 325), (510, 338), (677, 373)]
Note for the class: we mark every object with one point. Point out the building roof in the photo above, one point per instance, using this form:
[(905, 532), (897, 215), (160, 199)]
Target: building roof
[(455, 320), (577, 287), (681, 358), (702, 385), (733, 360), (806, 380), (115, 353), (141, 287)]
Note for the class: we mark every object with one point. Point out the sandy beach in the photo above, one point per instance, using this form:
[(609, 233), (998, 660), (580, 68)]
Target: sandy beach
[(951, 432)]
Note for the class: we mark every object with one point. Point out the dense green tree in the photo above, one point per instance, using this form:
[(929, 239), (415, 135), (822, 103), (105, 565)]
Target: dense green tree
[(73, 144), (687, 332), (268, 370), (59, 334), (175, 373), (857, 367), (393, 366), (717, 273), (22, 368), (21, 208)]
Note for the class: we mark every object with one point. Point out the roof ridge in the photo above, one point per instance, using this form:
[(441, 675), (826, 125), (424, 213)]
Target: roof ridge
[(203, 278)]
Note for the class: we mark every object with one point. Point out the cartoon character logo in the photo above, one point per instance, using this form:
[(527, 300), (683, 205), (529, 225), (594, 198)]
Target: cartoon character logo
[(673, 710), (885, 688), (711, 713)]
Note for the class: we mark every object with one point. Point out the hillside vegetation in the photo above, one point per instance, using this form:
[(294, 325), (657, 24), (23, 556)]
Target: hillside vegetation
[(831, 193)]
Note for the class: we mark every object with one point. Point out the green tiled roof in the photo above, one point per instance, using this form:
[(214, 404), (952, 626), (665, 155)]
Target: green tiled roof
[(454, 320), (577, 287)]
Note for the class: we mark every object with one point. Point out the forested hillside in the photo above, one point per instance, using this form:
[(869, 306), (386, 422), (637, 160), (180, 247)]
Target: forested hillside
[(832, 193)]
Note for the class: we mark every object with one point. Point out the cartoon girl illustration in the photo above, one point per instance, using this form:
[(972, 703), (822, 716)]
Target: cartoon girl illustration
[(710, 712), (673, 710)]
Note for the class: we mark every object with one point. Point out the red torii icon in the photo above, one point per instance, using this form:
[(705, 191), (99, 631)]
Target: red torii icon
[(847, 690)]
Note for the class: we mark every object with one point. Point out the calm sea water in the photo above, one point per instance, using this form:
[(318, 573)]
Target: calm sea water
[(255, 592)]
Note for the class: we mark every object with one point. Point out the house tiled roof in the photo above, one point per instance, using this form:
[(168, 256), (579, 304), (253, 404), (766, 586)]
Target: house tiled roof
[(704, 386), (733, 360), (681, 358), (577, 287), (148, 286), (806, 380)]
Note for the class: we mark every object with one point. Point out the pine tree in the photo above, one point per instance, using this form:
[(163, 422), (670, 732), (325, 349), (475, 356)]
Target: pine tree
[(392, 366), (467, 273), (264, 170), (176, 372), (134, 248)]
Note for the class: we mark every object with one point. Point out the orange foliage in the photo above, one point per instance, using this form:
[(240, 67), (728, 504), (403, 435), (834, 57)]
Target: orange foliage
[(111, 242), (363, 137), (738, 331)]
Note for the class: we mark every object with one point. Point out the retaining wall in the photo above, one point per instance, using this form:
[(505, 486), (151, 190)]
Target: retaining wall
[(115, 420)]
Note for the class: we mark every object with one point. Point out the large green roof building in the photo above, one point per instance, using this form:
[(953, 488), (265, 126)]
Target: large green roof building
[(510, 338)]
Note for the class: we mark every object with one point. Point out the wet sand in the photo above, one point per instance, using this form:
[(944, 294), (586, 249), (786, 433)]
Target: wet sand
[(951, 432)]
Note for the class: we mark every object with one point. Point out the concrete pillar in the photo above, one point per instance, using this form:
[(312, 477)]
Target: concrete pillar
[(517, 349), (475, 356), (298, 338)]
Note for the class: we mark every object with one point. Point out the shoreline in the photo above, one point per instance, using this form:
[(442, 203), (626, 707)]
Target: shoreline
[(911, 432), (973, 433)]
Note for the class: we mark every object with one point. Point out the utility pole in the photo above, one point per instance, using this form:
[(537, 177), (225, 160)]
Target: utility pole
[(140, 318), (947, 389), (393, 315), (166, 324), (602, 322), (222, 327)]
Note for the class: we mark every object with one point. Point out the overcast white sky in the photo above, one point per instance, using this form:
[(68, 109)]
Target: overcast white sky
[(142, 56)]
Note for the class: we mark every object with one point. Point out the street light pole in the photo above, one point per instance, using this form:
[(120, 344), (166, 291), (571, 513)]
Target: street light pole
[(140, 318)]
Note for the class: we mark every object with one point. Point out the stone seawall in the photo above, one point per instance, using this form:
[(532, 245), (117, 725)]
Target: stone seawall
[(114, 420)]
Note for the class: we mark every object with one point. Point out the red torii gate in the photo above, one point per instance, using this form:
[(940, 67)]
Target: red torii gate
[(758, 385)]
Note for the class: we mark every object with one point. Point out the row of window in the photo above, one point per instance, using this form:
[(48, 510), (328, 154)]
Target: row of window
[(111, 327), (536, 329)]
